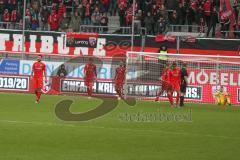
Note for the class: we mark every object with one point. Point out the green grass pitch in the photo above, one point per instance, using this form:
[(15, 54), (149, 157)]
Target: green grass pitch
[(30, 131)]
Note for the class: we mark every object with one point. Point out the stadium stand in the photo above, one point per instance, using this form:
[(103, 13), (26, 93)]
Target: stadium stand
[(109, 16)]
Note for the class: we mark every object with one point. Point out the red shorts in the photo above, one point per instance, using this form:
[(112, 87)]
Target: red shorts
[(38, 82), (118, 85), (88, 82), (176, 86), (167, 86)]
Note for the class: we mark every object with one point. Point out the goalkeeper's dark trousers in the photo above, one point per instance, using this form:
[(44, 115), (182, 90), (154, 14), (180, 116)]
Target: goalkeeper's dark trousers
[(183, 88), (181, 101)]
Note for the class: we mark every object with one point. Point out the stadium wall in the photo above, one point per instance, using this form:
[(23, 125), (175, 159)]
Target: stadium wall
[(15, 77), (53, 43)]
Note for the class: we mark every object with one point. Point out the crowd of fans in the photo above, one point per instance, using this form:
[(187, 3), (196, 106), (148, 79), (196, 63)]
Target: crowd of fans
[(154, 15)]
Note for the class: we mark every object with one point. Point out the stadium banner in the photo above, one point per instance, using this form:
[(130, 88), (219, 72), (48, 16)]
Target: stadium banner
[(200, 89), (203, 82), (82, 39), (108, 88), (14, 83), (56, 43), (8, 66), (226, 9), (74, 70)]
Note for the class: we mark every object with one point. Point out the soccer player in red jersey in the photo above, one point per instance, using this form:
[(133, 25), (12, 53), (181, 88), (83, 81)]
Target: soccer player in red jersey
[(90, 74), (166, 84), (38, 72), (176, 79), (119, 79)]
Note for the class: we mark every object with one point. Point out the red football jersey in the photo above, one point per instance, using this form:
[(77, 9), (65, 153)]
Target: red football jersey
[(120, 74), (176, 75), (38, 69), (90, 71), (166, 75)]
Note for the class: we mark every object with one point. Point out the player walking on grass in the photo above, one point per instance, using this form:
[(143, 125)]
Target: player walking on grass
[(175, 80), (166, 84), (184, 83), (90, 74), (119, 79), (38, 72)]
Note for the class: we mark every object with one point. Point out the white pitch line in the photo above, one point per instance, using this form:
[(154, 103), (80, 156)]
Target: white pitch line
[(123, 129)]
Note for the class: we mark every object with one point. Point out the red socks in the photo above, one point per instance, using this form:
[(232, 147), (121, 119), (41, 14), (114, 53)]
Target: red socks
[(89, 91), (170, 98), (119, 93), (38, 95), (177, 98)]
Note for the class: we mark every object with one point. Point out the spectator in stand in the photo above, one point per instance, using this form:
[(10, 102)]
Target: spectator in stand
[(158, 2), (75, 4), (236, 10), (14, 4), (13, 19), (6, 17), (35, 8), (10, 5), (154, 13), (54, 8), (236, 32), (44, 18), (171, 4), (61, 9), (201, 28), (64, 23), (194, 4), (98, 5), (213, 22), (104, 22), (81, 12), (27, 19), (122, 6), (113, 5), (149, 22), (2, 6), (181, 12), (148, 6), (162, 11), (69, 3), (207, 12), (200, 14), (138, 21), (161, 25), (53, 21), (129, 16), (174, 20), (225, 25), (75, 22), (190, 11), (20, 25), (85, 2), (34, 20), (190, 18), (96, 16), (87, 14), (105, 5)]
